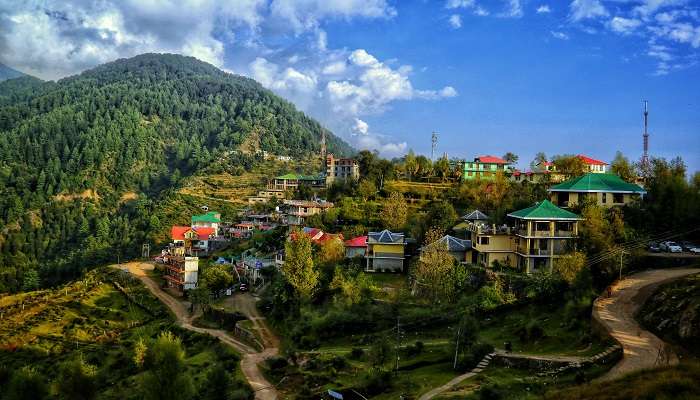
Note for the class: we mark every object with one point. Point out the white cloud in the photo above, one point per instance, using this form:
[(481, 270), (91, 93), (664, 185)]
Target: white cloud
[(649, 7), (480, 11), (335, 68), (587, 9), (455, 21), (360, 127), (624, 25), (460, 4), (559, 35), (513, 9), (306, 14), (544, 9)]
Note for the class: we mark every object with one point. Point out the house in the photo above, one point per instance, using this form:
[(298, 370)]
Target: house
[(492, 244), (211, 219), (264, 196), (594, 166), (356, 247), (475, 216), (181, 272), (317, 236), (459, 249), (298, 210), (543, 233), (606, 189), (192, 240), (341, 170), (535, 176), (485, 167), (385, 251), (292, 181)]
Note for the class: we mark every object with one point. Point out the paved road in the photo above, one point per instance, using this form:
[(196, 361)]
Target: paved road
[(642, 349), (250, 357)]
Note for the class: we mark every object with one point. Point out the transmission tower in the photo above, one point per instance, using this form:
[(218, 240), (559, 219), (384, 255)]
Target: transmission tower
[(434, 145), (645, 155)]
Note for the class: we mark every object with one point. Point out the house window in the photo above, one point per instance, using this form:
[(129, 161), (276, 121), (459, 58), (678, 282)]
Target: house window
[(484, 240), (618, 198), (605, 198)]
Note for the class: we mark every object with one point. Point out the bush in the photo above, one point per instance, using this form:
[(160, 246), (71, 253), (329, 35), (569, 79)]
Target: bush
[(376, 381), (490, 392), (530, 333), (356, 353), (414, 350), (276, 363)]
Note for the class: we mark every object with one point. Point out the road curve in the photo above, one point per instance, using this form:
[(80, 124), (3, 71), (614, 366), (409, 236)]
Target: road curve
[(263, 389), (642, 349)]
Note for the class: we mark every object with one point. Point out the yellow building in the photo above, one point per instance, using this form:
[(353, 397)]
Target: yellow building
[(543, 233), (385, 251), (491, 243), (606, 189)]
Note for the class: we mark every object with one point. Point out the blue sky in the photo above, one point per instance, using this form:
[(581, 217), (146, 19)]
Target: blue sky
[(489, 76)]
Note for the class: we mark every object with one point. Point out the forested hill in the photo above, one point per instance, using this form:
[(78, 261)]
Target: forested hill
[(8, 73), (132, 125)]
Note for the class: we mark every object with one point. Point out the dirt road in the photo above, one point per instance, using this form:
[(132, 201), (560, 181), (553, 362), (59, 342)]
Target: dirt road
[(263, 389), (642, 349)]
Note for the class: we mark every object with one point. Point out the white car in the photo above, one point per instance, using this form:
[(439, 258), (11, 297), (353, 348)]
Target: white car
[(695, 250), (671, 247)]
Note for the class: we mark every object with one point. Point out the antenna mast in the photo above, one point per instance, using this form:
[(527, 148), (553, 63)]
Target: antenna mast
[(434, 146), (645, 156)]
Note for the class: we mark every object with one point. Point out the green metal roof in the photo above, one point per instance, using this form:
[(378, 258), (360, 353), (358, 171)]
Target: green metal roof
[(299, 177), (592, 182), (544, 210), (211, 216)]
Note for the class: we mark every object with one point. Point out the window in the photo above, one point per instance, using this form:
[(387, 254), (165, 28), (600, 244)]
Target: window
[(484, 240), (605, 197), (618, 198)]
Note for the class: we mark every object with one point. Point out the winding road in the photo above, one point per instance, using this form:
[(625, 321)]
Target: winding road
[(263, 389), (642, 349)]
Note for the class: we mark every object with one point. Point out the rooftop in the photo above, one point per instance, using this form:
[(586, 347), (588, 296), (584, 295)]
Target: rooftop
[(475, 215), (590, 161), (545, 210), (299, 177), (491, 160), (360, 241), (308, 203), (178, 232), (453, 243), (591, 182), (385, 236), (211, 216)]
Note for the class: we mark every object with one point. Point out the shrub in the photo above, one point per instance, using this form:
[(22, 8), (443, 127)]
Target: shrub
[(490, 392), (376, 381), (356, 353), (276, 363)]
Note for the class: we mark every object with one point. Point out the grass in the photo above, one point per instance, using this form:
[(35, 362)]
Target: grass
[(557, 339), (92, 319), (678, 383)]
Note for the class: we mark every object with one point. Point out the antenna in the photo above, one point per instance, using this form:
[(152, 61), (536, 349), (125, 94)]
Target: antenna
[(645, 156), (434, 146)]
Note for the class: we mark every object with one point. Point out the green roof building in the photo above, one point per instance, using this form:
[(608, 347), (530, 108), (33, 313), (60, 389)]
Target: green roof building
[(605, 189), (292, 181), (543, 233), (212, 219)]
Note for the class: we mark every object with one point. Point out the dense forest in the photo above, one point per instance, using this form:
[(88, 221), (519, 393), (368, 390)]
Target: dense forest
[(70, 149)]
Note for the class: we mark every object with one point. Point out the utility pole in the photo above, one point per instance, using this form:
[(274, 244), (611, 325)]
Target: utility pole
[(433, 140), (459, 331), (398, 341), (622, 252), (645, 155)]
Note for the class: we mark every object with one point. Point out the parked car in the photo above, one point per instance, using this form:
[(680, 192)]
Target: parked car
[(671, 247), (686, 245), (654, 247), (695, 250)]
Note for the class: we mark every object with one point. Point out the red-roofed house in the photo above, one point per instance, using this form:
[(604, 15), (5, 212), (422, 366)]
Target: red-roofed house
[(194, 240), (595, 166), (356, 247), (485, 167)]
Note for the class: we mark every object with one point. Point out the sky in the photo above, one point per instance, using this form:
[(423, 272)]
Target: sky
[(489, 76)]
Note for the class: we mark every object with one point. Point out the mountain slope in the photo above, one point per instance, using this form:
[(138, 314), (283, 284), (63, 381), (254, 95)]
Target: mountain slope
[(8, 73), (133, 125)]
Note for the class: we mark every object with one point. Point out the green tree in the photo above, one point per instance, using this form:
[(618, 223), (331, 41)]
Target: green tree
[(218, 384), (167, 378), (216, 277), (570, 265), (435, 268), (394, 212), (511, 157), (30, 280), (26, 384), (298, 267), (569, 165), (366, 189), (351, 289), (77, 380), (622, 167), (331, 251), (442, 168), (200, 297), (379, 353), (441, 215)]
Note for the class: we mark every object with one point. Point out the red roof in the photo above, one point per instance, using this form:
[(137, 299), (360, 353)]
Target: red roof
[(492, 160), (203, 233), (329, 236), (360, 241), (590, 161)]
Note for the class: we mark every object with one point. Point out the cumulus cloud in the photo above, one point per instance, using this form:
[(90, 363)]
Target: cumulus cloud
[(587, 9), (543, 9), (364, 140), (559, 35), (460, 3), (513, 9), (624, 25), (455, 21), (306, 14)]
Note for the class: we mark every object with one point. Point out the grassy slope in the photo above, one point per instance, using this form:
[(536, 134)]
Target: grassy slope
[(92, 318)]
